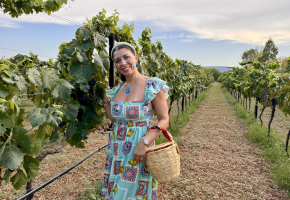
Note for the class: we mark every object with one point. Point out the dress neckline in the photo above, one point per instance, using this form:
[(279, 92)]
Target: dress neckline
[(120, 85)]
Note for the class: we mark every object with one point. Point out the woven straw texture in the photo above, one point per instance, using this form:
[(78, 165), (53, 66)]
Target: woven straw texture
[(163, 161)]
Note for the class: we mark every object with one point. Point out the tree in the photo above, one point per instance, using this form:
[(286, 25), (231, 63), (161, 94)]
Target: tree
[(270, 51), (250, 55), (19, 7), (215, 72)]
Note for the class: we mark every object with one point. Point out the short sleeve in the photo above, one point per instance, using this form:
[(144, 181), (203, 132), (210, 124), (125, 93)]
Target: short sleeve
[(112, 92), (153, 86)]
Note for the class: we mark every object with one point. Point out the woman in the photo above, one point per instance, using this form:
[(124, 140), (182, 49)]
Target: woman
[(130, 107)]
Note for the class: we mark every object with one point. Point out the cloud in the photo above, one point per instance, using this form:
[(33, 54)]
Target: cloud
[(170, 37), (187, 40), (247, 21)]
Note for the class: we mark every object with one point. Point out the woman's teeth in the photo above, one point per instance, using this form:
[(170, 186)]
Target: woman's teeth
[(126, 69)]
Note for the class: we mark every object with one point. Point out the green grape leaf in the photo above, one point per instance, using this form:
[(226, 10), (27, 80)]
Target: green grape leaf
[(84, 45), (2, 130), (70, 111), (98, 60), (37, 138), (13, 91), (34, 76), (31, 165), (83, 71), (10, 155), (76, 130), (21, 84), (19, 180), (100, 90), (63, 90), (50, 79), (91, 117), (36, 118), (6, 176), (8, 80), (48, 129), (105, 59), (2, 100), (99, 40), (4, 91), (84, 87), (22, 168), (71, 129), (53, 118), (6, 120), (19, 138), (54, 135), (81, 56), (83, 34)]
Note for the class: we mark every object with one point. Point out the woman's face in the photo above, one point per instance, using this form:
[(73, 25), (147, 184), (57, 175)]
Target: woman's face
[(125, 61)]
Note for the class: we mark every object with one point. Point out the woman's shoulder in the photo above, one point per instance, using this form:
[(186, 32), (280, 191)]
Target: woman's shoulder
[(154, 85), (112, 92)]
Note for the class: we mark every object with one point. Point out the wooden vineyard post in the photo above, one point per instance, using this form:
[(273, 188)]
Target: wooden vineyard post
[(195, 93), (256, 109), (112, 68), (182, 104)]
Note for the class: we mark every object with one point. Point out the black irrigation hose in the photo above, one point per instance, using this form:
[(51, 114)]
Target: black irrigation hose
[(61, 174)]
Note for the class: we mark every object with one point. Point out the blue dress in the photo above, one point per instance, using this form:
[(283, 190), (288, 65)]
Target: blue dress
[(123, 178)]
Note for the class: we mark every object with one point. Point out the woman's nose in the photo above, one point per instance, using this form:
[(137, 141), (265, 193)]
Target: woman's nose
[(122, 62)]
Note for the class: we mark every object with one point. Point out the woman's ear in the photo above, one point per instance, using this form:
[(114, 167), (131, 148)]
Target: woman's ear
[(136, 58)]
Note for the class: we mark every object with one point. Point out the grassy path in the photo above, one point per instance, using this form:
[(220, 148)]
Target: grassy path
[(217, 160)]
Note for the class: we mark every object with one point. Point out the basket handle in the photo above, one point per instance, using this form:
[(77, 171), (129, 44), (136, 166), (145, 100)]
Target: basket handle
[(166, 134)]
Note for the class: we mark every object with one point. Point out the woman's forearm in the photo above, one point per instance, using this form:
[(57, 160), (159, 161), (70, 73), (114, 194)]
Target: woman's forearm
[(154, 133)]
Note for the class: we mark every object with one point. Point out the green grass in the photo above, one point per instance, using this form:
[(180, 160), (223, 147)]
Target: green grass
[(95, 192), (273, 147), (176, 124)]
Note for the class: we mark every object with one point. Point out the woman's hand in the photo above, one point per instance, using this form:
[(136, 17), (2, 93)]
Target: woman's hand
[(140, 152)]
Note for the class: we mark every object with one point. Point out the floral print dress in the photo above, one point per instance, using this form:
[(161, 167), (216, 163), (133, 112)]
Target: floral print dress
[(124, 179)]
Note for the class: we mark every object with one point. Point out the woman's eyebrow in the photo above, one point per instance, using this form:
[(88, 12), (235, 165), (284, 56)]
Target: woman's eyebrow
[(122, 56)]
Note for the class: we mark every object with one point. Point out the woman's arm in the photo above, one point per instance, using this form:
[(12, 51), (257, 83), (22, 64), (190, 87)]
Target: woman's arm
[(161, 109), (107, 107)]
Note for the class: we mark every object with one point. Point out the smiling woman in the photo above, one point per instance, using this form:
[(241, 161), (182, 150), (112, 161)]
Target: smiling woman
[(130, 107)]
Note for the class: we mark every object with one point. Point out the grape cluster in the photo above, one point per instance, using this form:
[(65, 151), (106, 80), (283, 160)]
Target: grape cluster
[(274, 102), (61, 124), (92, 83), (84, 100)]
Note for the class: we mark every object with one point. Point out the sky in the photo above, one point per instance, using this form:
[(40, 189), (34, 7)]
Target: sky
[(206, 32)]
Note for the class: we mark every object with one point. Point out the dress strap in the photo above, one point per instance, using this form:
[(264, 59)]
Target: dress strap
[(153, 86)]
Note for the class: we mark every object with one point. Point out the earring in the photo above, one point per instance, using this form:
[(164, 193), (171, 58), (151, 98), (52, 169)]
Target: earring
[(136, 65)]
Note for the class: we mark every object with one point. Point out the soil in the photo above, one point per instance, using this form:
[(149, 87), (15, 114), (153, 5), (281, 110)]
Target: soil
[(217, 162), (217, 159)]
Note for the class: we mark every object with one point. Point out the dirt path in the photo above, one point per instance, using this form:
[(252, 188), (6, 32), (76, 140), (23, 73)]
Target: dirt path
[(217, 160)]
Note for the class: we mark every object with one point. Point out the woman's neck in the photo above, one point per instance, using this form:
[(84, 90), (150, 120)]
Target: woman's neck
[(132, 77)]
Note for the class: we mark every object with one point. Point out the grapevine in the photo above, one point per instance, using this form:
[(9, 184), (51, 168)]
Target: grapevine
[(68, 93)]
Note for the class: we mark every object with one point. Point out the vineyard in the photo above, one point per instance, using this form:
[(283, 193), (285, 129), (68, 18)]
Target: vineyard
[(66, 95), (233, 135)]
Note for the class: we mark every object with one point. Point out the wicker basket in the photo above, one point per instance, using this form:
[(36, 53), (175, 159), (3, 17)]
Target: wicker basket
[(163, 160)]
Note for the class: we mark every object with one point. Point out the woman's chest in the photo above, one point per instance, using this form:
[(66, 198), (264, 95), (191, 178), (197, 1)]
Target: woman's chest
[(133, 110), (126, 94)]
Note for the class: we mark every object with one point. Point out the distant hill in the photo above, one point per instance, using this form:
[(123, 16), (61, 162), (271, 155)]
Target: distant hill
[(220, 68)]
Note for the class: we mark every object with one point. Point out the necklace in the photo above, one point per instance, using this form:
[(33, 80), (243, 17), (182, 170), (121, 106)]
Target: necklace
[(128, 89)]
